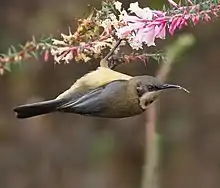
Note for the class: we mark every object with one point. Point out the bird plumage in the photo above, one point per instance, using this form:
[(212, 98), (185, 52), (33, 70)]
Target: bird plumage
[(82, 86), (101, 103), (101, 93), (98, 102), (35, 109)]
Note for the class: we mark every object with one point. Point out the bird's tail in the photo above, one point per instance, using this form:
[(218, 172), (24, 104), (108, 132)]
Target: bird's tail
[(35, 109)]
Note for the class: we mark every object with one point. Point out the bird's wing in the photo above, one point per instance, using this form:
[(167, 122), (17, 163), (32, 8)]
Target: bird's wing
[(94, 101)]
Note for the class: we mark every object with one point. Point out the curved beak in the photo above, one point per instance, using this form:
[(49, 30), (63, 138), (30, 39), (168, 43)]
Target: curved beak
[(172, 86)]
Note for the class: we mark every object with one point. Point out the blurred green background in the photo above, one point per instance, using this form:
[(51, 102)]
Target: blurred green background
[(63, 151)]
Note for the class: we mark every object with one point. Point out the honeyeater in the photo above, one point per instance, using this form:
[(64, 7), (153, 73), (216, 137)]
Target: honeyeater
[(102, 93)]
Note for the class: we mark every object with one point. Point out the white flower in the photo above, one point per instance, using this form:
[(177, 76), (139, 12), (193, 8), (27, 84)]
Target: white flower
[(144, 13), (60, 50), (135, 44), (106, 23), (57, 58), (68, 57), (126, 30), (118, 5), (122, 15), (66, 37), (58, 42), (86, 59)]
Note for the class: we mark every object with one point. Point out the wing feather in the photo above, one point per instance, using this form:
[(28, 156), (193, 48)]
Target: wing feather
[(94, 102)]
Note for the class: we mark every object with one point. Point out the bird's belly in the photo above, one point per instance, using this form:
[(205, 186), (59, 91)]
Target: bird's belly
[(119, 111)]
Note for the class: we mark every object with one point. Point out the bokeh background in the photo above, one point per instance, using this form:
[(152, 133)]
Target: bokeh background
[(72, 151)]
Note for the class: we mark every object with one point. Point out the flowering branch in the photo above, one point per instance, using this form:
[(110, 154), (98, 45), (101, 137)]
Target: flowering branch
[(103, 28), (29, 50)]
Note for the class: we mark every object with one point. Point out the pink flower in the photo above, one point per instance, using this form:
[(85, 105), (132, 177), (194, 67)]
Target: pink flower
[(178, 22), (146, 35), (145, 25), (161, 31), (46, 55), (158, 13), (173, 25), (195, 19), (126, 30), (129, 18), (207, 17)]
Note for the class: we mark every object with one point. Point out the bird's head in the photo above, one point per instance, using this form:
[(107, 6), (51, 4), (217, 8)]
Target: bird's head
[(148, 89)]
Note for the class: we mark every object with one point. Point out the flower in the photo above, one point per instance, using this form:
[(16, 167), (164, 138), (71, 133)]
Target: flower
[(141, 28), (161, 31), (144, 25), (144, 13), (118, 5)]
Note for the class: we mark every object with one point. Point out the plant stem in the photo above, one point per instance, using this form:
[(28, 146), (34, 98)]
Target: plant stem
[(150, 177)]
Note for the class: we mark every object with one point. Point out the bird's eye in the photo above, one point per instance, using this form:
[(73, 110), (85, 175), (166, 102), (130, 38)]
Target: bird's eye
[(151, 88)]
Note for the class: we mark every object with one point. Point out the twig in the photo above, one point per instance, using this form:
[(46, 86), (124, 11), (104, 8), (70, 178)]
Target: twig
[(150, 178), (104, 61)]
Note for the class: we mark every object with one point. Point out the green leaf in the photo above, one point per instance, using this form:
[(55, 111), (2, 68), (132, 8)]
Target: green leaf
[(35, 55), (9, 52), (14, 50), (21, 46), (215, 2), (3, 55), (7, 66), (206, 6)]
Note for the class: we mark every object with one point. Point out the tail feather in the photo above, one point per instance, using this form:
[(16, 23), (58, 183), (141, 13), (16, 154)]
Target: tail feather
[(35, 109)]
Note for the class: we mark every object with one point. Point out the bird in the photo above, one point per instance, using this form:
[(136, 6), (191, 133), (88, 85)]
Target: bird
[(103, 93)]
